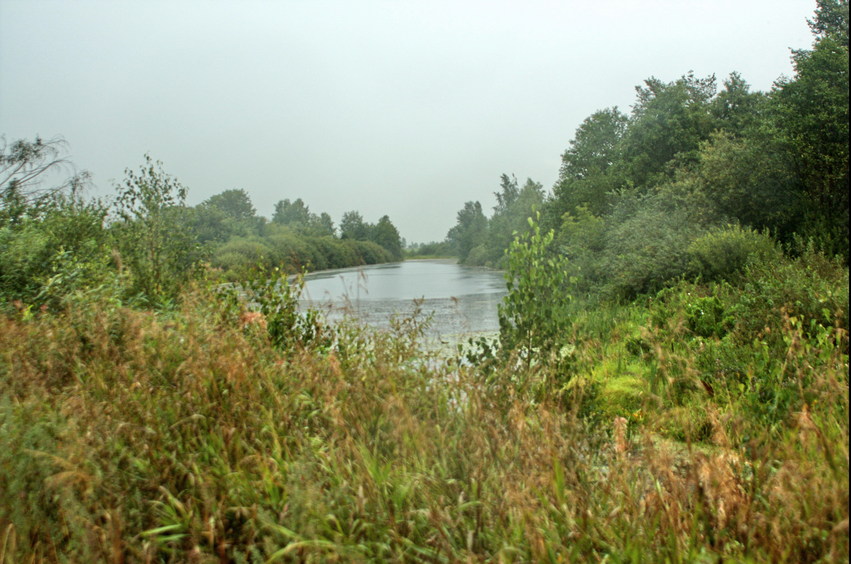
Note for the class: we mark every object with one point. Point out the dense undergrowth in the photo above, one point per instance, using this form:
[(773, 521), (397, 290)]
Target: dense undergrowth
[(704, 423)]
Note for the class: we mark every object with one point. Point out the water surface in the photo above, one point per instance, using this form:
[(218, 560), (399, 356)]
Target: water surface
[(462, 300)]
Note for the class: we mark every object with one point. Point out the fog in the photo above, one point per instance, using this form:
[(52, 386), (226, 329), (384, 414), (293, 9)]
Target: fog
[(401, 108)]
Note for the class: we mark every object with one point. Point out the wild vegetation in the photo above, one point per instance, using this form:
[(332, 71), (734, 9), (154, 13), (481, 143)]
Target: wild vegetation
[(670, 380)]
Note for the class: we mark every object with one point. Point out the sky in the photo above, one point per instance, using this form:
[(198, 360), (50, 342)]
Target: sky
[(399, 108)]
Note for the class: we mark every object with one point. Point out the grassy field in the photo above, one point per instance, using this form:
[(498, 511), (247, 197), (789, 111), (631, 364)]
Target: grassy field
[(212, 434)]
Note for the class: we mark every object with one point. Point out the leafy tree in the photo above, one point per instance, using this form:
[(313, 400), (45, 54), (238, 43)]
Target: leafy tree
[(740, 179), (152, 235), (225, 215), (508, 193), (291, 213), (583, 179), (323, 225), (831, 20), (386, 235), (470, 230), (668, 120), (352, 226), (234, 204), (510, 219), (736, 109), (533, 317), (812, 122)]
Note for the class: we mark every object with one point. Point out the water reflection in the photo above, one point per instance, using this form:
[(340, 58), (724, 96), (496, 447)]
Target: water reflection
[(461, 300)]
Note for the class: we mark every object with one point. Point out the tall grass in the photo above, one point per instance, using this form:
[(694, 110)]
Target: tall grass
[(198, 435)]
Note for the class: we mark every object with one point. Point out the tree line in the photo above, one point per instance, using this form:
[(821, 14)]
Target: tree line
[(695, 179), (146, 242)]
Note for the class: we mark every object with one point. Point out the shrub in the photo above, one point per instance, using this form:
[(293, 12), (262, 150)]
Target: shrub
[(533, 317), (724, 253), (241, 254)]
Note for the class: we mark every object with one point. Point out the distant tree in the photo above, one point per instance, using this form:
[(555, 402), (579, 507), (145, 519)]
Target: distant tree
[(291, 213), (225, 215), (324, 225), (511, 220), (584, 178), (668, 120), (235, 204), (736, 109), (508, 193), (386, 235), (352, 226), (470, 230)]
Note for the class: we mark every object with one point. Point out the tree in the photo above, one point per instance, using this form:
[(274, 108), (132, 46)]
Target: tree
[(511, 219), (352, 226), (152, 234), (23, 165), (737, 110), (508, 193), (324, 225), (668, 120), (234, 204), (812, 122), (831, 20), (386, 235), (533, 317), (470, 230), (295, 214)]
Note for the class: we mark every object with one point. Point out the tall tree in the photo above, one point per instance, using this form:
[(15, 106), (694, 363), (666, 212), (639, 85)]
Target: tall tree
[(152, 234), (352, 226), (668, 120), (470, 230), (234, 204), (386, 235), (583, 178), (812, 119), (290, 213)]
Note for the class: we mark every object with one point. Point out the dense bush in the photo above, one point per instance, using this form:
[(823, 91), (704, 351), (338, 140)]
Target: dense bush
[(723, 253)]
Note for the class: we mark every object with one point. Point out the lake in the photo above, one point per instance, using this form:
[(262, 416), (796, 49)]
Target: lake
[(462, 300)]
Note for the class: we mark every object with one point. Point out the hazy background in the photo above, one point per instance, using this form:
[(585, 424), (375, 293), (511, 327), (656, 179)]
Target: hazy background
[(400, 108)]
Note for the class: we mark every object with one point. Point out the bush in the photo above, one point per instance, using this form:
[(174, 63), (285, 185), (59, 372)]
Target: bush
[(369, 252), (241, 254), (724, 253), (533, 317), (811, 287), (646, 247)]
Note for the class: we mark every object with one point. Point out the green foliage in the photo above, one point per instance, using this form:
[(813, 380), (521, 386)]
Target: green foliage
[(669, 120), (812, 123), (386, 235), (152, 235), (583, 178), (469, 232), (216, 432), (533, 317), (54, 253), (481, 241), (724, 253), (646, 246), (706, 317), (812, 288)]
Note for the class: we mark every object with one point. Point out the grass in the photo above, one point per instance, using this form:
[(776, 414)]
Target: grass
[(132, 436)]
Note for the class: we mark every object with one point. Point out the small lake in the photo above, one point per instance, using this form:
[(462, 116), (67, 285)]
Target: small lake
[(462, 300)]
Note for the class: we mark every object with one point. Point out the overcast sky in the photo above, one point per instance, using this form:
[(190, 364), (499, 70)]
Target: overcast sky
[(401, 108)]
